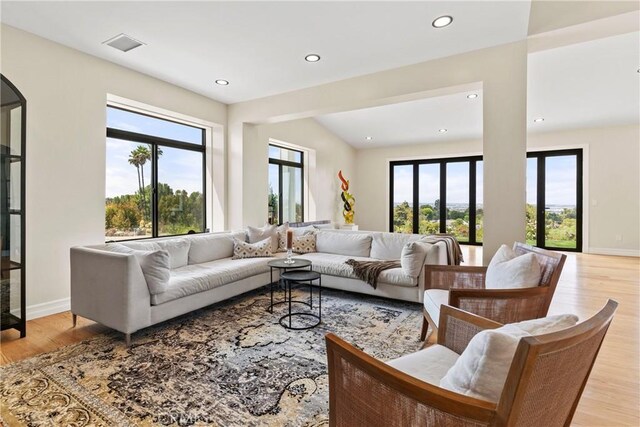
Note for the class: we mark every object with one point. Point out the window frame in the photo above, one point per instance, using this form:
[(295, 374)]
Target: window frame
[(541, 172), (155, 142), (540, 196), (442, 162), (280, 163)]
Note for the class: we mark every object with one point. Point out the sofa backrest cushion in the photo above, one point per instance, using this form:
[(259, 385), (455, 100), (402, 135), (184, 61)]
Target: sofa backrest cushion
[(482, 368), (178, 249), (389, 245), (349, 244), (211, 247), (154, 265)]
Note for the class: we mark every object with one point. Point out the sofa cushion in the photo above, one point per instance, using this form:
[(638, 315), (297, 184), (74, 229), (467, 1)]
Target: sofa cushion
[(433, 299), (263, 248), (428, 365), (482, 368), (508, 270), (210, 247), (351, 244), (255, 235), (154, 266), (196, 278), (413, 257), (178, 249), (334, 265), (390, 245)]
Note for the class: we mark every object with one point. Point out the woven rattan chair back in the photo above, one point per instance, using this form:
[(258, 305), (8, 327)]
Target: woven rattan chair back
[(549, 372)]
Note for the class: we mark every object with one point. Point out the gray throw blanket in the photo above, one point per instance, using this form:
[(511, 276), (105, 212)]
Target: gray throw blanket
[(454, 253), (368, 271)]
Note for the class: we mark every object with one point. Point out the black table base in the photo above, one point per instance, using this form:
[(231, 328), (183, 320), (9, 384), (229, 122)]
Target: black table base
[(301, 278)]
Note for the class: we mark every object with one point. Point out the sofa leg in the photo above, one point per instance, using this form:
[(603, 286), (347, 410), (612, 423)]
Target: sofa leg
[(127, 339), (425, 328), (74, 318)]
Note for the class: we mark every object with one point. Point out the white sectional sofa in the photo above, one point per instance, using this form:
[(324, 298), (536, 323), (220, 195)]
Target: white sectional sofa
[(109, 287)]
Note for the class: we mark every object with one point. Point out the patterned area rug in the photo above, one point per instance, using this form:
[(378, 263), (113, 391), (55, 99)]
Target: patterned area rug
[(230, 364)]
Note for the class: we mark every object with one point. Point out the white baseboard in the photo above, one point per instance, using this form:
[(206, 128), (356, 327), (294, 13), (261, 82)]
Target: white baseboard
[(48, 308), (614, 251)]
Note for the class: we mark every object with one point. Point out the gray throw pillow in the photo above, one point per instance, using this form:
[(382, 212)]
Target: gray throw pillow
[(154, 264), (252, 250)]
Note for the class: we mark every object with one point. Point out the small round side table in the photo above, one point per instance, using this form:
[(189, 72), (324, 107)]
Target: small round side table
[(302, 277), (281, 265)]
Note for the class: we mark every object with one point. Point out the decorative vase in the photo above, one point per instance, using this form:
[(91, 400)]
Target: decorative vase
[(289, 259)]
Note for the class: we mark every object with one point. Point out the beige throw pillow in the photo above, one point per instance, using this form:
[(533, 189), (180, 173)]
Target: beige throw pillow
[(304, 244), (154, 265), (252, 250), (412, 258), (482, 368), (256, 235), (507, 270), (297, 232)]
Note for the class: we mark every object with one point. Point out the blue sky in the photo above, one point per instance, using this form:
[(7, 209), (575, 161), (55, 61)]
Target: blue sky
[(181, 169)]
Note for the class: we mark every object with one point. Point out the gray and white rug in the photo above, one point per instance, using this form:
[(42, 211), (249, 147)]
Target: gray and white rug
[(230, 364)]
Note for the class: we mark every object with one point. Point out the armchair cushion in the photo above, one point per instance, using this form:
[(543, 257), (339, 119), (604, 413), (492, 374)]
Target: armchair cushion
[(428, 365), (433, 299), (507, 270), (482, 368)]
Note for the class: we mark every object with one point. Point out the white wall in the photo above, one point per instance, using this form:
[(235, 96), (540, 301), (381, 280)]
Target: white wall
[(612, 180), (501, 71), (66, 93), (613, 193), (331, 155)]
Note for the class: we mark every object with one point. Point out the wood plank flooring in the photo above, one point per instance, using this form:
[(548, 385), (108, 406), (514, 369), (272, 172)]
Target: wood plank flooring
[(612, 395)]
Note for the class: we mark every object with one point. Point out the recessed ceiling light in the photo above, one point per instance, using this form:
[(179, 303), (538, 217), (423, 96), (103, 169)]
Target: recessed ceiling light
[(472, 96), (222, 82), (312, 57), (442, 21), (442, 130), (123, 42), (538, 120), (368, 138)]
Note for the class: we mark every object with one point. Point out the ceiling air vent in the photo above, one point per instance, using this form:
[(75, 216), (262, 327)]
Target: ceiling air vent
[(123, 42)]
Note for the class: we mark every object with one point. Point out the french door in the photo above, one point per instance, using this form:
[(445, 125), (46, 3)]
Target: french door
[(554, 199)]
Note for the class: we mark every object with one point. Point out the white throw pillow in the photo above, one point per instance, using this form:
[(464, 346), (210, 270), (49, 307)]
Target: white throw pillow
[(412, 259), (507, 270), (154, 265), (256, 235), (482, 368), (178, 250), (252, 250)]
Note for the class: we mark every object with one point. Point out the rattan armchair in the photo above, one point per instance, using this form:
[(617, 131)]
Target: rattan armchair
[(546, 379), (464, 287)]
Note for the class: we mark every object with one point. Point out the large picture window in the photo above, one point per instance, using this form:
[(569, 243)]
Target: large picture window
[(446, 196), (155, 180), (438, 196), (286, 200)]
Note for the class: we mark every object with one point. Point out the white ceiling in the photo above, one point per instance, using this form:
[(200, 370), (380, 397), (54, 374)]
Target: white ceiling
[(585, 85), (260, 46), (410, 122), (579, 86)]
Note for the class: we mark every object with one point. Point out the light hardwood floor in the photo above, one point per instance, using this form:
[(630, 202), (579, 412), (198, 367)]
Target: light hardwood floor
[(612, 395)]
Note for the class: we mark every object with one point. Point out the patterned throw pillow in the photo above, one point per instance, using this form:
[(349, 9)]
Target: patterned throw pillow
[(304, 244), (252, 250), (297, 232)]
